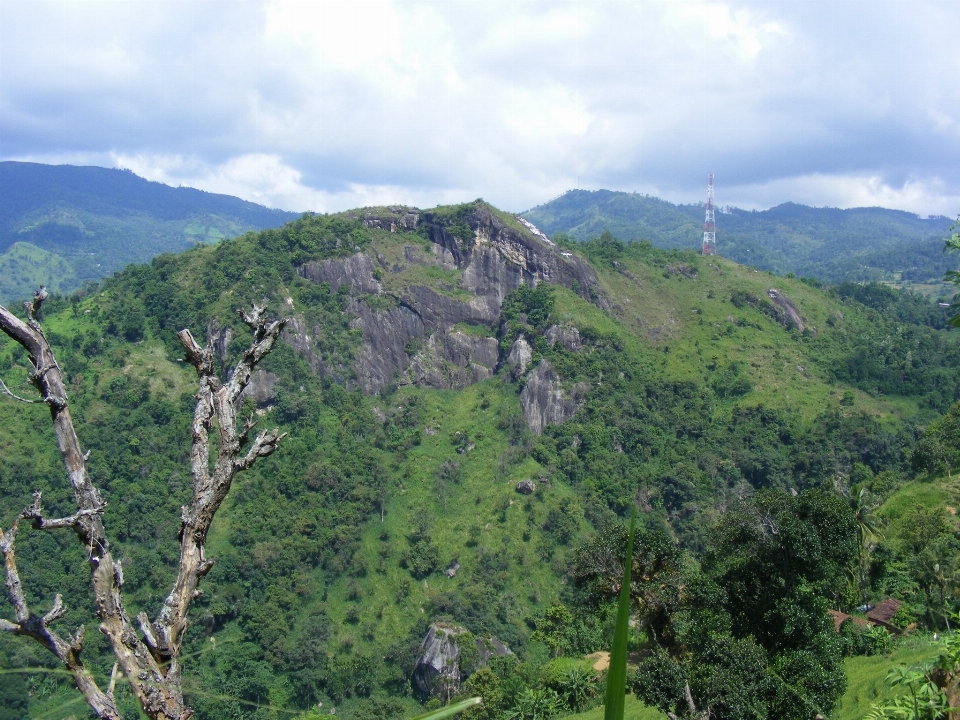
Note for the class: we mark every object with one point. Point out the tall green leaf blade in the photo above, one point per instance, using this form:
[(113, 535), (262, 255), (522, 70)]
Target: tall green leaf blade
[(617, 674), (450, 710)]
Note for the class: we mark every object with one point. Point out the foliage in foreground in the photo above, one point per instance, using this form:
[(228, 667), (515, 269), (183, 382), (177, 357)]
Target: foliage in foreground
[(926, 692)]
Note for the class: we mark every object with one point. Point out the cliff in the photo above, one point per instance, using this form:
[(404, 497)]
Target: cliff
[(426, 299)]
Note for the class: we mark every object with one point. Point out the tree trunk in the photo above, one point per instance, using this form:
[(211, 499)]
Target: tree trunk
[(150, 660)]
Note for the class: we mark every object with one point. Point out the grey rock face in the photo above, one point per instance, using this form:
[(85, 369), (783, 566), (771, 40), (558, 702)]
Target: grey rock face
[(568, 337), (521, 355), (444, 257), (220, 337), (453, 360), (786, 310), (261, 388), (356, 272), (438, 671), (544, 401), (385, 337), (497, 260)]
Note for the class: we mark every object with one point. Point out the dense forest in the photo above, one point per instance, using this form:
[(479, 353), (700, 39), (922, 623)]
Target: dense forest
[(762, 427), (62, 225), (833, 245)]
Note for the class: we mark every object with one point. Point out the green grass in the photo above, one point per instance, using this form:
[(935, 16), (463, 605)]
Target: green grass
[(475, 330), (897, 510), (928, 494), (24, 267), (866, 676), (693, 325), (482, 510), (633, 710)]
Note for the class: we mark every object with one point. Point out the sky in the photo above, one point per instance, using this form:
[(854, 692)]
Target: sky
[(329, 105)]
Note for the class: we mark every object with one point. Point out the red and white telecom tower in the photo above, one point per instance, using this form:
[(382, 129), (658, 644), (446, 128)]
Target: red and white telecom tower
[(710, 225)]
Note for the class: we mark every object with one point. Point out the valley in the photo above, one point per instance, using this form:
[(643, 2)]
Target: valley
[(436, 360)]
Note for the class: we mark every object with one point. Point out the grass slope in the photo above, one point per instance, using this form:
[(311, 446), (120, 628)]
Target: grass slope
[(866, 676), (633, 710), (25, 267)]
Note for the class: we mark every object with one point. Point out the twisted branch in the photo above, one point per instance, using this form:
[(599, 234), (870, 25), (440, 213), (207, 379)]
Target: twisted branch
[(29, 624), (35, 513), (7, 391), (150, 660), (146, 676), (216, 406)]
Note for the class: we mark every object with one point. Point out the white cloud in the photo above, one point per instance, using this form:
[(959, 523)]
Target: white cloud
[(267, 180), (928, 196), (323, 102)]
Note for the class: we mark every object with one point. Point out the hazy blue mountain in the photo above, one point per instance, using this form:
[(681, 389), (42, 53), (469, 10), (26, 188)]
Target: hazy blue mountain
[(827, 243), (62, 225)]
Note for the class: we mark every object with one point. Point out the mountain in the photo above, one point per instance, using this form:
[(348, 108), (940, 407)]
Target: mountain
[(62, 225), (438, 365), (829, 244)]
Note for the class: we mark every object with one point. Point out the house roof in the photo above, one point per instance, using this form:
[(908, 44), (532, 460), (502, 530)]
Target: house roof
[(884, 611), (839, 618)]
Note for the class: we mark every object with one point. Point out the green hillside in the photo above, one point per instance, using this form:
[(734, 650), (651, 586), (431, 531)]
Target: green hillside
[(679, 384), (833, 245), (63, 225)]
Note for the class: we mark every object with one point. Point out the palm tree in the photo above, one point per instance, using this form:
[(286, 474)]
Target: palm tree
[(869, 526)]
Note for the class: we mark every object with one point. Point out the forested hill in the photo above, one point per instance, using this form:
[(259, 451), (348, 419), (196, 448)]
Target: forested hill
[(827, 243), (61, 225), (471, 414)]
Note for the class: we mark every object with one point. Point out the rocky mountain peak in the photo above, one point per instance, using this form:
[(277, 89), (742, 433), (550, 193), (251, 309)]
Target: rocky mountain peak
[(442, 333)]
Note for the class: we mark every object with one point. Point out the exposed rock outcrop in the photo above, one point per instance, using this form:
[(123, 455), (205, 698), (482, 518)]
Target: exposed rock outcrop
[(261, 388), (544, 401), (497, 259), (787, 312), (567, 336), (526, 487), (520, 356), (439, 671), (453, 360), (355, 271)]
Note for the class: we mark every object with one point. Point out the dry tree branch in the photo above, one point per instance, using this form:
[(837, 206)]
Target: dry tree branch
[(216, 403), (31, 625), (150, 663), (7, 391)]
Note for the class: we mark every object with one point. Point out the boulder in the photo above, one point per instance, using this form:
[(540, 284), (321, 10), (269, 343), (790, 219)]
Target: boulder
[(787, 312), (449, 654), (526, 487), (567, 336), (261, 388)]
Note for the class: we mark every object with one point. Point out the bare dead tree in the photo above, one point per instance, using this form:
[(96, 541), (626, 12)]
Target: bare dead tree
[(150, 658)]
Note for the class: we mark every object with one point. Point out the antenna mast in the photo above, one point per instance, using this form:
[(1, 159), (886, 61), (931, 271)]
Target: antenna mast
[(710, 225)]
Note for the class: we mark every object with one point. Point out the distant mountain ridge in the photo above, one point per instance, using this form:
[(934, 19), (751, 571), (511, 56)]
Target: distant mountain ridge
[(63, 225), (827, 243)]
